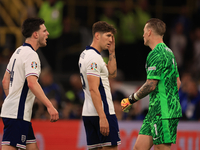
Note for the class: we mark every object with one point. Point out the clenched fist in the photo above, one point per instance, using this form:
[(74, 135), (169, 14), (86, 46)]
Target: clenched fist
[(126, 105)]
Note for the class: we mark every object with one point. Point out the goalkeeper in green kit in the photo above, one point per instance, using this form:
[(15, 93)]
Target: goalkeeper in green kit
[(159, 127)]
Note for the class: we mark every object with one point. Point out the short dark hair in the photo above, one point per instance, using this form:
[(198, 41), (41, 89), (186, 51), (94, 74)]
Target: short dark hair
[(102, 26), (157, 25), (31, 25)]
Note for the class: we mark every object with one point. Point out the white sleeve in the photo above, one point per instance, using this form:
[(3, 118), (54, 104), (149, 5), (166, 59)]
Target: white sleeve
[(10, 64), (8, 69), (32, 65), (94, 66)]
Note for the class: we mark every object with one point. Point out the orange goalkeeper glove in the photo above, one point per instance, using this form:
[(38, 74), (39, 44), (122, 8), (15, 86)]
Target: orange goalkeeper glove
[(127, 103)]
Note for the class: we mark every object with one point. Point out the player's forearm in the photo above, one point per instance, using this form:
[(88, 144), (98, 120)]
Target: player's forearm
[(5, 87), (147, 88), (6, 82), (112, 65), (38, 92), (96, 99)]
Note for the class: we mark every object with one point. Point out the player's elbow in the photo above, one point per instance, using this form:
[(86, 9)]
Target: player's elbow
[(6, 80), (5, 83), (31, 85), (153, 88), (32, 82), (93, 91), (113, 75)]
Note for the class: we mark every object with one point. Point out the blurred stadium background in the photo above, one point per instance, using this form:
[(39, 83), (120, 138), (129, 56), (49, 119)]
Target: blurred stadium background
[(72, 32)]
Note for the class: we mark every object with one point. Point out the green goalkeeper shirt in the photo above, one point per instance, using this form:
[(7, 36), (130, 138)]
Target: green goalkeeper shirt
[(164, 100)]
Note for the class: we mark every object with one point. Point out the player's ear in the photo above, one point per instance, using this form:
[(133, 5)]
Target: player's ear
[(35, 34), (149, 32), (97, 35)]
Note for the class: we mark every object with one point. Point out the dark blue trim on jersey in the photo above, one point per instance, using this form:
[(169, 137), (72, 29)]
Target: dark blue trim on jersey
[(22, 101), (104, 98), (89, 47), (26, 44)]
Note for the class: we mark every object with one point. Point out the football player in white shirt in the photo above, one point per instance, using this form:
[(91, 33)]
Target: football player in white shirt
[(98, 114), (20, 84)]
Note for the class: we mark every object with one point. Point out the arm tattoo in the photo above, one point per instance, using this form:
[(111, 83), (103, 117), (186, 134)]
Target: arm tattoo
[(147, 88), (110, 58), (114, 72)]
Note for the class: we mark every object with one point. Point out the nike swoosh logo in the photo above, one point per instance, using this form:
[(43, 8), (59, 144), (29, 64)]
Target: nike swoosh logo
[(156, 138)]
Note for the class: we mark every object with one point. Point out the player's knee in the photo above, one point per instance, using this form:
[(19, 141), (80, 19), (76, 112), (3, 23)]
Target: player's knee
[(163, 146), (136, 147)]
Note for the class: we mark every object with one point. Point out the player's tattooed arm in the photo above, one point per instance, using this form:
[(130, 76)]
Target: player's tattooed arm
[(113, 73), (147, 88), (112, 65), (112, 56)]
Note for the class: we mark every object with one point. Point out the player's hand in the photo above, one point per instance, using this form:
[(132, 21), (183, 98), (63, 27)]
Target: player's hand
[(53, 114), (126, 105), (111, 48), (104, 126)]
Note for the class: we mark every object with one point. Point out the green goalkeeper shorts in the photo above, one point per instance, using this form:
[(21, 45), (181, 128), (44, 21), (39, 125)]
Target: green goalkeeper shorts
[(162, 130)]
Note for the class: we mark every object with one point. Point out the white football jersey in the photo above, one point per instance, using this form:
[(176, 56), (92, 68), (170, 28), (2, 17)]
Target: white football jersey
[(23, 63), (91, 63)]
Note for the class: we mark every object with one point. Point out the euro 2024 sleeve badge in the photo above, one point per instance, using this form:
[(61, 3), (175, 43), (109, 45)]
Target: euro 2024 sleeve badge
[(93, 66), (33, 65)]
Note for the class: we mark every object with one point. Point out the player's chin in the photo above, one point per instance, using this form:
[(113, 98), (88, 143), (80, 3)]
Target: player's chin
[(107, 47), (43, 44)]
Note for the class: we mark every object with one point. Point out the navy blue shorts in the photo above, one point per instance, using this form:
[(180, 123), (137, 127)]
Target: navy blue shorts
[(95, 138), (17, 133)]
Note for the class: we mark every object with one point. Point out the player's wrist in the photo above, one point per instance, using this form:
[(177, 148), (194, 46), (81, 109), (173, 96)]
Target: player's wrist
[(111, 52), (133, 98), (136, 97)]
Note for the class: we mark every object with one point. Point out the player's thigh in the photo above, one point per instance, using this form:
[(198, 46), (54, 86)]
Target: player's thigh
[(162, 147), (8, 147), (164, 131), (143, 142), (32, 146)]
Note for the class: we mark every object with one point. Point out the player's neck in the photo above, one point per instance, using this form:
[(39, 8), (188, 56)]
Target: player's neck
[(96, 46), (32, 43), (155, 42)]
